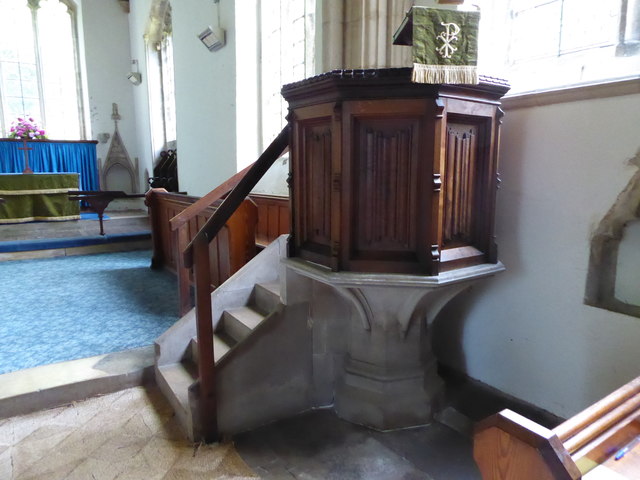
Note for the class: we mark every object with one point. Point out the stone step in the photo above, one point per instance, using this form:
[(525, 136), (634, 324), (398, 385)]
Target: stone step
[(266, 297), (239, 322), (221, 345), (174, 381)]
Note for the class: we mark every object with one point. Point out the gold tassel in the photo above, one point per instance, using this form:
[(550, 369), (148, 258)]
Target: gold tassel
[(453, 74)]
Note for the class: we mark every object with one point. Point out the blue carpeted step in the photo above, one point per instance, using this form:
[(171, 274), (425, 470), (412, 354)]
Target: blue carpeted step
[(55, 243)]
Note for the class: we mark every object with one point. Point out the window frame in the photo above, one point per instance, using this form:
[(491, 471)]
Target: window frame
[(309, 63), (574, 67), (72, 10)]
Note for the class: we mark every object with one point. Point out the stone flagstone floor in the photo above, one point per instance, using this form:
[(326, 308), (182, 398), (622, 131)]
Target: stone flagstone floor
[(131, 434)]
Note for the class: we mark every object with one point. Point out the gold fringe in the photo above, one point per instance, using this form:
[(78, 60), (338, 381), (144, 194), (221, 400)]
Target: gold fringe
[(39, 219), (43, 191), (465, 74)]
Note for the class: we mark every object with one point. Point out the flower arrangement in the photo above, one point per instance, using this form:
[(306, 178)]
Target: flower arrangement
[(26, 129)]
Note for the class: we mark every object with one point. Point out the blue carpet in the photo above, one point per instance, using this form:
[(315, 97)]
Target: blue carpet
[(92, 216), (65, 308), (70, 242)]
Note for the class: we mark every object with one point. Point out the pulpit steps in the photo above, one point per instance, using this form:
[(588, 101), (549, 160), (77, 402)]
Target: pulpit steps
[(236, 325), (246, 302), (239, 322)]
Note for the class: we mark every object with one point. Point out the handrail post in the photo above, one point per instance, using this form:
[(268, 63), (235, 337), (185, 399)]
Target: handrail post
[(207, 405), (151, 201), (180, 240)]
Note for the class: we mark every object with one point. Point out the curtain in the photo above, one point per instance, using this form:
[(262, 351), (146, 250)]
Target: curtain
[(358, 34), (53, 157)]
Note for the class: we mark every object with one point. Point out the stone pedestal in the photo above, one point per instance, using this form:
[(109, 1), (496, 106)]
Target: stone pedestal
[(389, 378)]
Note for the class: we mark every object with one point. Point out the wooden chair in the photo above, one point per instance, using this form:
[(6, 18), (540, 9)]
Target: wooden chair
[(508, 446)]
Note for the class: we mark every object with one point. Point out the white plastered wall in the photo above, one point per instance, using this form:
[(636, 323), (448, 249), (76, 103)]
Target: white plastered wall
[(105, 30), (205, 85), (527, 332)]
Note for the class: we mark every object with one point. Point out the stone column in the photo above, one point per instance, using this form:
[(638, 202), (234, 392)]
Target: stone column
[(389, 379)]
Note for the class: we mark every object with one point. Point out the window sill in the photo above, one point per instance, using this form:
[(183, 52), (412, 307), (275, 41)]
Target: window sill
[(573, 93)]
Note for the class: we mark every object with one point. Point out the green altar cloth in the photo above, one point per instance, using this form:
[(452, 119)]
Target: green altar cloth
[(38, 196)]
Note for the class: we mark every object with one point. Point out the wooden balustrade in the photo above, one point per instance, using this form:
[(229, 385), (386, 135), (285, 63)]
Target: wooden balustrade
[(509, 446), (230, 250)]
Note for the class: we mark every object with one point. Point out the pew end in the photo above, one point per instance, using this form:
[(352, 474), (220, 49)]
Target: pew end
[(509, 446)]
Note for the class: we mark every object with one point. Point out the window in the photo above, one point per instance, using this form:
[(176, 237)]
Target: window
[(38, 67), (160, 72), (551, 43), (287, 42)]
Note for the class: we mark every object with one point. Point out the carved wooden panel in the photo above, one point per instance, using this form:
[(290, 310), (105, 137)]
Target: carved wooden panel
[(317, 164), (384, 187), (313, 174), (393, 176), (460, 190)]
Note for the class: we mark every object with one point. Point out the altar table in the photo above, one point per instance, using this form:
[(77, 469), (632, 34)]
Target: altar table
[(38, 196)]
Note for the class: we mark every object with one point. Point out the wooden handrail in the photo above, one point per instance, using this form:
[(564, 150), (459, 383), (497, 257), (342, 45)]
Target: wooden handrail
[(602, 424), (577, 423), (210, 229), (206, 201)]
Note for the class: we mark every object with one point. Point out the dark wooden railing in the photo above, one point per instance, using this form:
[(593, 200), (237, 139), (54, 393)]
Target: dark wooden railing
[(196, 256)]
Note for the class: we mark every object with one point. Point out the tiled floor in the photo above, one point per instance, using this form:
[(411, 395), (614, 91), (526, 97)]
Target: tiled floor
[(319, 446), (131, 434)]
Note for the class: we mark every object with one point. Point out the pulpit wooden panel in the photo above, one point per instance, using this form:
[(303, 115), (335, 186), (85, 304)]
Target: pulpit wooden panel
[(313, 134), (385, 215), (391, 176)]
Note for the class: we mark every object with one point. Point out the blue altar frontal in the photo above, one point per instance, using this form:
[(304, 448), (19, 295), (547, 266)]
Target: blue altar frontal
[(51, 156)]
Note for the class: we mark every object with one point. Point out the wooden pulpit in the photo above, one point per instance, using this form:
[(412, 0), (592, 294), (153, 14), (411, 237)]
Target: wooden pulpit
[(393, 176), (393, 189)]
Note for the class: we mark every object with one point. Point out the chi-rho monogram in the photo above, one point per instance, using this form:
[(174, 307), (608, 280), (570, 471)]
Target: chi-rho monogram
[(448, 37)]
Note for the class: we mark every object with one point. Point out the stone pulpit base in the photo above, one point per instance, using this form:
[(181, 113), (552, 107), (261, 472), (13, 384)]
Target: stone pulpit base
[(387, 376)]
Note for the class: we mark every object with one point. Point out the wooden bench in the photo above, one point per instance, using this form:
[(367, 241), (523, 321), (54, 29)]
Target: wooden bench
[(232, 248), (98, 200), (508, 446)]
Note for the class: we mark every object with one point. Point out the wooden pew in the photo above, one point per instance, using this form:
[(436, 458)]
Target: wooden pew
[(232, 248), (274, 217), (508, 446)]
